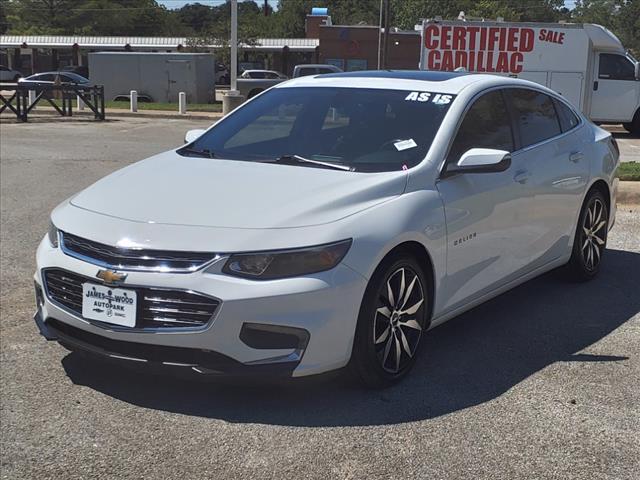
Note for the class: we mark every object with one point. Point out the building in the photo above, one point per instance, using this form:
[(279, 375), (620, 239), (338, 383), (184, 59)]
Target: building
[(350, 47), (355, 47), (38, 53)]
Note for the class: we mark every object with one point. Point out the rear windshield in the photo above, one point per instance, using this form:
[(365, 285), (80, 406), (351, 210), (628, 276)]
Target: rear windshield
[(370, 130)]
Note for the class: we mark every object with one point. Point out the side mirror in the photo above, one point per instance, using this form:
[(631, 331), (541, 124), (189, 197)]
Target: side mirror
[(193, 135), (480, 160)]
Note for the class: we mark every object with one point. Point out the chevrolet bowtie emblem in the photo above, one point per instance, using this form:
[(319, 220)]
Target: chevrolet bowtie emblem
[(110, 277)]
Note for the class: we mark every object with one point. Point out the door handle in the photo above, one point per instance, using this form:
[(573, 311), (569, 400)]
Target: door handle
[(575, 157), (595, 85), (522, 176)]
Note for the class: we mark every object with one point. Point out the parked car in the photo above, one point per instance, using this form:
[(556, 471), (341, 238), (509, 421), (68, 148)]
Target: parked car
[(82, 70), (271, 74), (314, 69), (389, 203), (53, 77), (222, 74), (250, 85), (9, 75)]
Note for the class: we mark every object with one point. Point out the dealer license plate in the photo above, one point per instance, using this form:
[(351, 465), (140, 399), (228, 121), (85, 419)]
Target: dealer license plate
[(109, 305)]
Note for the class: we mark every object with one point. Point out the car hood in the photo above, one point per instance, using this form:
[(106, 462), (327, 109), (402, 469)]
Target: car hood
[(175, 190)]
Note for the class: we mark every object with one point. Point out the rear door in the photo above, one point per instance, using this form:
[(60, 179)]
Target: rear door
[(486, 213), (553, 168), (616, 92)]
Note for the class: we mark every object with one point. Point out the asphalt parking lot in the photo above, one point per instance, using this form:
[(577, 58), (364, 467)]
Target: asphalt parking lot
[(541, 382)]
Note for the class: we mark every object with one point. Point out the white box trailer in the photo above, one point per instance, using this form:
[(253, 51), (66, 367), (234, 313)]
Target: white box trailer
[(586, 63), (158, 76)]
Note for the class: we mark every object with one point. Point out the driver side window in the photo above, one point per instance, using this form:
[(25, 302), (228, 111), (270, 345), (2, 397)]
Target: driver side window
[(486, 125)]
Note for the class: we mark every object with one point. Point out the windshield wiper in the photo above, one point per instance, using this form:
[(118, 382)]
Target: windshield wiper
[(302, 160), (194, 151)]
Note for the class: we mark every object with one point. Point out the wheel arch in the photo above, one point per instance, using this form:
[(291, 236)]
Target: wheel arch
[(603, 188), (418, 251)]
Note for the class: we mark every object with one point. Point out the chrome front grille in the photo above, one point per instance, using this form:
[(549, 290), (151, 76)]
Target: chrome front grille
[(133, 258), (157, 308)]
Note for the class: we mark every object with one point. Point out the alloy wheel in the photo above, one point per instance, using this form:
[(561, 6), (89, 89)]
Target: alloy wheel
[(594, 234), (398, 320)]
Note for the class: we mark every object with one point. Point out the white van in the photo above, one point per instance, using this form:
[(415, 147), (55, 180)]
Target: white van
[(586, 63)]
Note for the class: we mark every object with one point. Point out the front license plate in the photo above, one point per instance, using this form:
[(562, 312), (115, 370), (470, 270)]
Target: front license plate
[(109, 305)]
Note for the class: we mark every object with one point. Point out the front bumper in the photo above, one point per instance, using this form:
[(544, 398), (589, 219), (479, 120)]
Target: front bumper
[(324, 305)]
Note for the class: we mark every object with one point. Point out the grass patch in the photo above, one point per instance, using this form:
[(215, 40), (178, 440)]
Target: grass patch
[(173, 107), (629, 171)]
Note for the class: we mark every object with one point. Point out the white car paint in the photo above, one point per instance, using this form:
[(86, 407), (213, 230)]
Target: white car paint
[(484, 233)]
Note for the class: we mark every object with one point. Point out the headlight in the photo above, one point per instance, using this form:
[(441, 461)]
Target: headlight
[(53, 235), (287, 263)]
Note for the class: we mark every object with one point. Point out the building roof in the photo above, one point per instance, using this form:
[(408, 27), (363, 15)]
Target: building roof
[(67, 41)]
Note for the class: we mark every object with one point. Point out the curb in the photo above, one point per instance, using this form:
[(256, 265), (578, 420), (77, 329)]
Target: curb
[(167, 115), (110, 113), (628, 193)]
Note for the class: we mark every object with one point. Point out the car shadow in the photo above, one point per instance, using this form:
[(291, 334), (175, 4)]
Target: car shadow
[(467, 361)]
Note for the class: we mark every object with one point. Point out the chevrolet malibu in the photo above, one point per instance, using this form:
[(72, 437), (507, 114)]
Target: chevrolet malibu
[(330, 221)]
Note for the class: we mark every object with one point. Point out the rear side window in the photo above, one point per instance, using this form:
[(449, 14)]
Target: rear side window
[(307, 71), (535, 116), (568, 119), (615, 67), (486, 125)]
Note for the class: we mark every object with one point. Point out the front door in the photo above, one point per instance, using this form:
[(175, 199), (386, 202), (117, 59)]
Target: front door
[(616, 92), (486, 213)]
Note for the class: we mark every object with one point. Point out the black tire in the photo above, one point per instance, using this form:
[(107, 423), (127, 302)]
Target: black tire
[(633, 127), (590, 240), (386, 345)]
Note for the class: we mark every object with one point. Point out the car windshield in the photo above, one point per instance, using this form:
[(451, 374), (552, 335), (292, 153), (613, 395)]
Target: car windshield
[(365, 129)]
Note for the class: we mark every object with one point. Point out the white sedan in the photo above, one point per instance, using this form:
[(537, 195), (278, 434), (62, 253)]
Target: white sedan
[(330, 221)]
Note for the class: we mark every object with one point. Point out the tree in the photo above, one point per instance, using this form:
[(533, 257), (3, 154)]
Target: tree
[(622, 17), (90, 17), (407, 13)]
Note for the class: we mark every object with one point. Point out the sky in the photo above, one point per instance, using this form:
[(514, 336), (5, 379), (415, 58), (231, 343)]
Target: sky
[(179, 3)]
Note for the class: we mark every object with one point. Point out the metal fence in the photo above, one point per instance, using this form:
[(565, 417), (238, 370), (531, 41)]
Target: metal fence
[(21, 102)]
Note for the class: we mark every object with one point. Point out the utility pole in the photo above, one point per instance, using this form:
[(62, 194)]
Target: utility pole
[(233, 98), (385, 41), (234, 45), (266, 8), (380, 33)]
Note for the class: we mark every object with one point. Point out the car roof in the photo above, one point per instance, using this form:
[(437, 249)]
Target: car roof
[(316, 65), (413, 80), (66, 74)]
